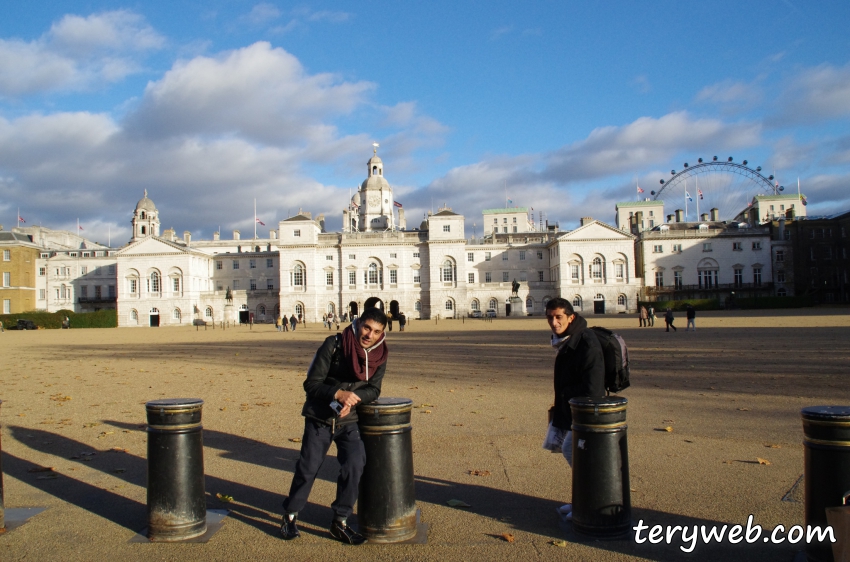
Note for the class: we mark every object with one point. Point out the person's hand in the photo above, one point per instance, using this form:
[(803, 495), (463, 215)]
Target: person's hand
[(345, 411), (347, 398)]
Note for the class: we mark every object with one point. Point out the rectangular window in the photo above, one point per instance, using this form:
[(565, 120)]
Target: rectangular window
[(7, 255), (677, 248), (486, 256), (7, 279), (98, 294), (393, 256), (42, 294), (252, 284), (352, 278), (522, 255), (488, 277), (415, 254), (505, 229), (112, 269), (505, 220), (677, 279), (417, 277), (540, 255), (657, 249), (505, 255), (175, 284), (84, 270), (780, 277), (706, 246), (134, 286), (331, 258), (540, 276), (736, 246), (296, 233), (470, 256), (252, 264), (757, 276), (447, 228), (514, 230), (393, 276), (269, 263), (574, 272), (219, 264), (523, 276), (739, 277), (514, 220), (235, 264), (354, 256), (42, 271), (780, 255), (756, 245), (619, 270), (84, 291), (329, 278), (470, 277), (707, 279), (236, 284), (111, 290), (505, 276), (7, 306), (659, 278), (270, 284)]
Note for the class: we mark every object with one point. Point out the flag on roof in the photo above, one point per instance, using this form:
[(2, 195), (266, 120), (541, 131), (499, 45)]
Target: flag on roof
[(261, 222), (21, 219), (80, 227), (688, 195), (639, 190), (699, 192), (396, 204), (804, 200)]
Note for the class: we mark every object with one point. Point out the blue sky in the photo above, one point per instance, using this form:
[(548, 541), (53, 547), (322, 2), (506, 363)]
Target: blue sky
[(566, 105)]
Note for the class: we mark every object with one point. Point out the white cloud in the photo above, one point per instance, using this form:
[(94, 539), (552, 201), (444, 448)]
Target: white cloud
[(262, 13), (732, 95), (816, 94), (257, 91), (77, 53)]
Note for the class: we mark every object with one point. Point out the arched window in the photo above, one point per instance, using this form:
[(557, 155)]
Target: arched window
[(298, 275), (493, 305), (208, 313), (448, 271), (372, 274), (529, 303), (134, 315), (143, 216), (331, 308), (261, 312), (176, 314), (299, 310), (450, 305), (596, 268), (143, 230), (621, 300), (417, 306), (154, 282), (577, 302), (474, 305), (546, 301)]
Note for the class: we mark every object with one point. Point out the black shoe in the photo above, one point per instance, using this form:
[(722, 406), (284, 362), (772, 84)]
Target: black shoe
[(342, 532), (289, 528)]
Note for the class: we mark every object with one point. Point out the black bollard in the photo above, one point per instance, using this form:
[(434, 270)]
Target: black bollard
[(386, 508), (2, 505), (602, 505), (826, 440), (177, 505)]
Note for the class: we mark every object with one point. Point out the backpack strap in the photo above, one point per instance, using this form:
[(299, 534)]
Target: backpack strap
[(335, 354)]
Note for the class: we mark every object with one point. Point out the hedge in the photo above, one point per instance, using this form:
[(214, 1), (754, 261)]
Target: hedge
[(99, 319)]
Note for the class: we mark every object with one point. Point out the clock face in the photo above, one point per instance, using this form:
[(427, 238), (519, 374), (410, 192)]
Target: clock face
[(374, 200)]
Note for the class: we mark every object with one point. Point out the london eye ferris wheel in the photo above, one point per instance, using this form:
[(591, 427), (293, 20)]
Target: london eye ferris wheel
[(725, 185)]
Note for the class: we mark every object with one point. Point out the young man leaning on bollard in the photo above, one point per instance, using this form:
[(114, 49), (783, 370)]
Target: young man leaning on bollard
[(342, 375), (579, 371)]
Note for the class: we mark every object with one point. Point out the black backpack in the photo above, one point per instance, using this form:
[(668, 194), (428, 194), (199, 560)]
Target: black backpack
[(616, 354)]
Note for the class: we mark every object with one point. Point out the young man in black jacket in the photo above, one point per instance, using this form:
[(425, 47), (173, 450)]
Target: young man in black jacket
[(579, 370), (339, 378)]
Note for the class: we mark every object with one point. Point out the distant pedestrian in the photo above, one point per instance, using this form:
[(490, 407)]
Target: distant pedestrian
[(2, 329), (651, 312), (293, 321), (390, 322), (300, 318), (325, 320), (402, 321), (330, 320), (277, 323), (643, 314), (691, 313), (668, 319)]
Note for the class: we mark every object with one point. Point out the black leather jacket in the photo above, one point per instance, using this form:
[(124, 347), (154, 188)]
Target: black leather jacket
[(321, 385), (579, 371)]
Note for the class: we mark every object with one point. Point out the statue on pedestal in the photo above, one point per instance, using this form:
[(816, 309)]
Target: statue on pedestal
[(228, 296), (515, 288)]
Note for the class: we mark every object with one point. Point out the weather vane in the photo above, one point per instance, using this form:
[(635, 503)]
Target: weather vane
[(375, 149)]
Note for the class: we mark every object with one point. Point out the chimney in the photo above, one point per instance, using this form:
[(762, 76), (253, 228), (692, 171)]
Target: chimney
[(669, 218), (321, 220), (216, 235), (586, 220), (780, 231), (791, 213), (236, 235), (272, 234), (187, 237), (715, 214), (703, 217), (307, 214), (680, 215)]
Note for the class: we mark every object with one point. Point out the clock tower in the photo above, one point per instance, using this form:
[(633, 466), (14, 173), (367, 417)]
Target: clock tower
[(375, 213)]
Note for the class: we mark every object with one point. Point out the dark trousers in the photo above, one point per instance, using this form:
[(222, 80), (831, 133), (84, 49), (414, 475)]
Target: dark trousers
[(670, 325), (314, 447)]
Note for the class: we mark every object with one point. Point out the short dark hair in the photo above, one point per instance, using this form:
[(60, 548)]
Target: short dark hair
[(374, 314), (557, 303)]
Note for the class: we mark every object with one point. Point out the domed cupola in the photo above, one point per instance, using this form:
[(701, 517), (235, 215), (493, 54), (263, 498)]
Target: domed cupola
[(376, 197), (145, 219)]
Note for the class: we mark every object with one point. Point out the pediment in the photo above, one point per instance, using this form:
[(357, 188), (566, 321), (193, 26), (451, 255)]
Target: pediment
[(597, 231), (152, 245)]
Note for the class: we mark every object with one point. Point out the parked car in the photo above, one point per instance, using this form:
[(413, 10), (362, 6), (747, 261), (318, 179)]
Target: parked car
[(24, 324), (491, 314), (476, 314)]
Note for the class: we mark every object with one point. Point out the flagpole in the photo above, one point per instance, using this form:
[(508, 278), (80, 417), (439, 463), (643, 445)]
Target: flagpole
[(686, 200), (255, 218), (697, 198)]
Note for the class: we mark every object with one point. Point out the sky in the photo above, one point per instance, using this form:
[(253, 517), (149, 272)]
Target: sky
[(563, 107)]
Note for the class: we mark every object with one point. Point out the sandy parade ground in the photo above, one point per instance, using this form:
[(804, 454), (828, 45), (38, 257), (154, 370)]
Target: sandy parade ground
[(705, 409)]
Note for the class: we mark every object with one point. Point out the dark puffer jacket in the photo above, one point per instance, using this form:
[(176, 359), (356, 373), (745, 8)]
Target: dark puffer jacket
[(323, 381), (579, 371)]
